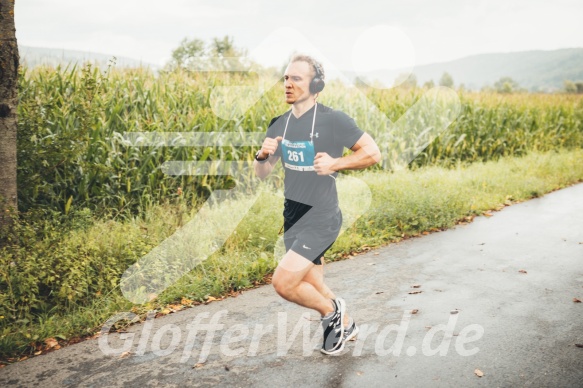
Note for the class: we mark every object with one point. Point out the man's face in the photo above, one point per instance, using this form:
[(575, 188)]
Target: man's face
[(297, 78)]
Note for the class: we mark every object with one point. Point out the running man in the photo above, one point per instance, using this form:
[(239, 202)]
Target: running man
[(310, 139)]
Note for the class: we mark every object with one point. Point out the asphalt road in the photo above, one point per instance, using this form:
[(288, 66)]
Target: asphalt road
[(497, 297)]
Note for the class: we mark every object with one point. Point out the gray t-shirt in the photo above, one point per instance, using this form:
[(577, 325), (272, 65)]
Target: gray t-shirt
[(333, 131)]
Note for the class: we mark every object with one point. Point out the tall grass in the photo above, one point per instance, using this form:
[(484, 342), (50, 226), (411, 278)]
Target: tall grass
[(71, 125), (91, 205), (80, 268)]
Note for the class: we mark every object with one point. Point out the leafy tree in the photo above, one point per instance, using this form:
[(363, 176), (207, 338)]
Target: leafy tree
[(506, 85), (569, 86), (194, 54), (429, 84), (188, 51), (579, 86), (446, 80), (224, 48), (407, 81)]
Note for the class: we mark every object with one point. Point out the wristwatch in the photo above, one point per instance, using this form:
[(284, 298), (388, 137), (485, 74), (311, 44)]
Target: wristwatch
[(260, 160)]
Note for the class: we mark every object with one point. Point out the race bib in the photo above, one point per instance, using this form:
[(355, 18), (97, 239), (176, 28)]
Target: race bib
[(298, 155)]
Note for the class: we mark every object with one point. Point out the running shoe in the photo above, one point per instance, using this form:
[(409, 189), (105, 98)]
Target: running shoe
[(334, 329), (351, 331)]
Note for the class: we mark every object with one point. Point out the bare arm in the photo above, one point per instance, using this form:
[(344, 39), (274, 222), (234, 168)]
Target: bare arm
[(365, 154), (263, 169)]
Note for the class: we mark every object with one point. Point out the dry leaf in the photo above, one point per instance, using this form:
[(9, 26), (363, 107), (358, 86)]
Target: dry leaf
[(125, 354), (51, 343), (479, 373), (454, 311), (414, 311), (576, 300), (359, 373), (198, 365), (415, 292), (579, 345), (522, 271), (416, 286), (379, 292)]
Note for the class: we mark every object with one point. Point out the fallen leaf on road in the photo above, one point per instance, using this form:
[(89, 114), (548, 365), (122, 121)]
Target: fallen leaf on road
[(125, 354), (414, 311), (576, 300), (227, 368), (579, 345), (522, 271), (359, 373), (479, 373), (416, 286), (379, 292), (198, 365), (415, 292), (454, 311)]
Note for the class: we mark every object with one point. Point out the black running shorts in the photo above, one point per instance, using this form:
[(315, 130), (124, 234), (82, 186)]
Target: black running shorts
[(310, 232)]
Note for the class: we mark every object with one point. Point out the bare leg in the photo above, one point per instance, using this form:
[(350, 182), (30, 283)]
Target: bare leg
[(316, 278), (288, 281)]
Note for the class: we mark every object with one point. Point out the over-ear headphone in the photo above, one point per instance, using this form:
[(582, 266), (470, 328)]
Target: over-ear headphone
[(317, 84)]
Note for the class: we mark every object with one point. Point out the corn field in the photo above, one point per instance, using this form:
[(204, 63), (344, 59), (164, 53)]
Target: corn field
[(72, 121)]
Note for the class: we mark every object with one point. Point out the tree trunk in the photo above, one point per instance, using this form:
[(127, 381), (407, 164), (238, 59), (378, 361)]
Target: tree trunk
[(8, 104)]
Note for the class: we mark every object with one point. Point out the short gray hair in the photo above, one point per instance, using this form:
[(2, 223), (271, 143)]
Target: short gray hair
[(310, 61)]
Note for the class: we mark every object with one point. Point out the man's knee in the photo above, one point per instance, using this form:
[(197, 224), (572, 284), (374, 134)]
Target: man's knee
[(282, 283)]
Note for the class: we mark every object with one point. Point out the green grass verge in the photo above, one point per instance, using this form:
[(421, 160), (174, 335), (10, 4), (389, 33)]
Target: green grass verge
[(402, 204)]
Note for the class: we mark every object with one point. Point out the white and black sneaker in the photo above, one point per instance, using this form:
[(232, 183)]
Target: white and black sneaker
[(351, 331), (334, 329)]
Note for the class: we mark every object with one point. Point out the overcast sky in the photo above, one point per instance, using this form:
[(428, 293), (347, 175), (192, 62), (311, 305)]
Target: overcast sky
[(347, 33)]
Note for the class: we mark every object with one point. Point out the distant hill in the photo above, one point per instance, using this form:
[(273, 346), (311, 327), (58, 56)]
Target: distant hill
[(35, 56), (533, 70)]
